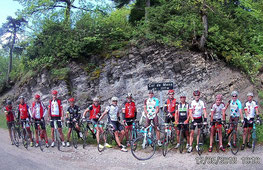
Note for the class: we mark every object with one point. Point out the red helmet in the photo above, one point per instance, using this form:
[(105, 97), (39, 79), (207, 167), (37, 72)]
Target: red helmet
[(71, 100), (196, 93), (55, 92), (171, 91), (37, 96), (219, 96)]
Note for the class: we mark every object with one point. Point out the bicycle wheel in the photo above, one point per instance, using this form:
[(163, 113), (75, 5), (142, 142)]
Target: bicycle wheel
[(234, 144), (216, 140), (25, 139), (74, 138), (58, 140), (165, 144), (15, 138), (254, 145), (109, 137), (101, 142), (145, 148), (84, 132), (41, 141), (173, 135), (181, 139), (201, 144)]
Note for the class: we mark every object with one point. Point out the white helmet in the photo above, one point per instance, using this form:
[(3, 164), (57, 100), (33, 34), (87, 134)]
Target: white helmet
[(96, 99), (129, 95), (114, 99), (234, 93), (250, 94)]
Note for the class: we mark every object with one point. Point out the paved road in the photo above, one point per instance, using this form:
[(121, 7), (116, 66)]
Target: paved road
[(12, 157)]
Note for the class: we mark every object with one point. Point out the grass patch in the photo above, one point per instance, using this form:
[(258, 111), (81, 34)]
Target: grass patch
[(3, 124)]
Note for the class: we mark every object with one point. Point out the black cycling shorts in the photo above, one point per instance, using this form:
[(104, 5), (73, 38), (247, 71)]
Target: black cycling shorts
[(42, 124), (169, 119), (10, 124), (186, 127), (247, 123), (196, 121), (117, 126), (59, 123), (129, 121)]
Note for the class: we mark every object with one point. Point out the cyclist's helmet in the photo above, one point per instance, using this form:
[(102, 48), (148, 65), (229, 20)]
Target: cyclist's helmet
[(196, 93), (129, 95), (8, 102), (219, 96), (54, 92), (21, 97), (171, 92), (114, 99), (250, 94), (96, 99), (37, 96), (150, 91), (71, 100), (182, 95), (234, 93)]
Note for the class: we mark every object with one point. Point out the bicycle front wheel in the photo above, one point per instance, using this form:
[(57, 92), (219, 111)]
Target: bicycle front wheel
[(25, 139), (58, 140), (74, 135), (201, 144), (165, 144), (101, 142), (181, 139), (15, 138), (254, 141), (234, 142), (145, 148)]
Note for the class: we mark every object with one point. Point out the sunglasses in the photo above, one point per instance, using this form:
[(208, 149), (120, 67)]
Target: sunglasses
[(197, 95), (114, 101), (234, 96), (182, 97)]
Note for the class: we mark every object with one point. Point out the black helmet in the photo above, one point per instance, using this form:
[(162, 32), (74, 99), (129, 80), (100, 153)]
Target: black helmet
[(8, 102)]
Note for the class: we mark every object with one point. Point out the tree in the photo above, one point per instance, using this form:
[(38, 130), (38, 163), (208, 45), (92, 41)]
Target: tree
[(9, 32), (38, 7)]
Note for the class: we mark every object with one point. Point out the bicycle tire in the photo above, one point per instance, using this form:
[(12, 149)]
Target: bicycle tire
[(25, 139), (173, 135), (41, 141), (101, 142), (254, 145), (58, 140), (201, 144), (84, 132), (109, 137), (165, 144), (142, 143), (217, 141), (15, 138), (234, 147), (74, 138), (181, 140)]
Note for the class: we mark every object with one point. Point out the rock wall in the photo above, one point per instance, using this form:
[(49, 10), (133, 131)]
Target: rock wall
[(188, 71)]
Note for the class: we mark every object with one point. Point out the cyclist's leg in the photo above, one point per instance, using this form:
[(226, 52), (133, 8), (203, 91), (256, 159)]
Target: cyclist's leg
[(236, 125), (249, 129), (116, 133), (178, 133), (231, 120), (156, 124), (245, 131), (29, 131), (43, 127), (36, 133), (52, 129), (199, 129), (60, 130), (186, 129), (220, 135), (9, 125), (212, 134), (69, 132), (192, 128)]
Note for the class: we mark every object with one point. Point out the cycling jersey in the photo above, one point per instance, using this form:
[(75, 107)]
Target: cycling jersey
[(183, 111), (23, 112), (129, 110), (235, 106), (151, 105), (251, 108), (38, 110), (113, 112), (217, 109), (94, 111), (10, 115), (170, 106), (74, 113), (197, 108), (55, 108)]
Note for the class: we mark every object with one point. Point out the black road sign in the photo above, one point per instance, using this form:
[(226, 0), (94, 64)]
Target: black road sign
[(161, 86)]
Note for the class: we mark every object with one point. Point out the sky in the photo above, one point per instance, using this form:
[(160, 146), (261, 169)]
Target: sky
[(8, 8)]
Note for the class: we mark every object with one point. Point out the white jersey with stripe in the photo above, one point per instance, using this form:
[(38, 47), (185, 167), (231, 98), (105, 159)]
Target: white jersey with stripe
[(250, 107), (218, 110), (197, 108)]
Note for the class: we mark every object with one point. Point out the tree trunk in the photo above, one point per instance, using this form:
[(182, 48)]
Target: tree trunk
[(148, 4), (67, 13), (11, 54), (205, 31)]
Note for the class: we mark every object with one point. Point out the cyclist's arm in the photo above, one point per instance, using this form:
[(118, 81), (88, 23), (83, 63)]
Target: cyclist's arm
[(62, 113), (191, 114), (176, 117), (103, 114), (224, 114), (145, 109), (165, 109), (157, 110), (18, 114), (212, 115), (227, 105)]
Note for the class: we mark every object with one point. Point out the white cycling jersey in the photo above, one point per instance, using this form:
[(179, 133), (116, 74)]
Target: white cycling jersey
[(197, 108), (251, 108)]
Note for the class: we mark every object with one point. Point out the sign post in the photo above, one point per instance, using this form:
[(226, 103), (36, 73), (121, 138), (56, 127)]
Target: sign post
[(160, 87)]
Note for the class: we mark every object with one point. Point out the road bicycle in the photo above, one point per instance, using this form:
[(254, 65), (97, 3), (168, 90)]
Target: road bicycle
[(169, 137), (57, 134), (41, 137), (182, 136), (87, 126)]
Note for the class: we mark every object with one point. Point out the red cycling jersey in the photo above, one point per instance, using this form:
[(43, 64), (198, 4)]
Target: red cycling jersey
[(10, 115), (23, 111), (94, 111), (130, 110)]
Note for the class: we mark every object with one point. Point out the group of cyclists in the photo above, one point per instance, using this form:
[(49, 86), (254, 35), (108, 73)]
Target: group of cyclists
[(191, 115)]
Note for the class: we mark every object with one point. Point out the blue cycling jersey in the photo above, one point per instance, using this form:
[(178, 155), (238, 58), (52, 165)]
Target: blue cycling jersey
[(235, 107)]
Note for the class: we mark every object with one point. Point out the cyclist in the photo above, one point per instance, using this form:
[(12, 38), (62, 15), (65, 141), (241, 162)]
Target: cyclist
[(235, 113), (129, 115), (251, 110), (95, 112), (151, 109), (10, 118), (24, 115), (39, 112), (73, 117), (196, 112), (217, 114), (55, 112), (113, 118), (182, 116), (170, 107)]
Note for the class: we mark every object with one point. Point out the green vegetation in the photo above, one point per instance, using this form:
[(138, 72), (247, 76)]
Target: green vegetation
[(60, 74)]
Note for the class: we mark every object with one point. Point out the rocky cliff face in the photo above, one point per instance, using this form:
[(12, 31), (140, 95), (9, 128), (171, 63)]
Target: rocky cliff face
[(131, 73)]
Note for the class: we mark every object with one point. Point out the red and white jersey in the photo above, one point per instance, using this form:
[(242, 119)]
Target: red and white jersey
[(197, 108), (54, 108), (250, 107), (218, 110)]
